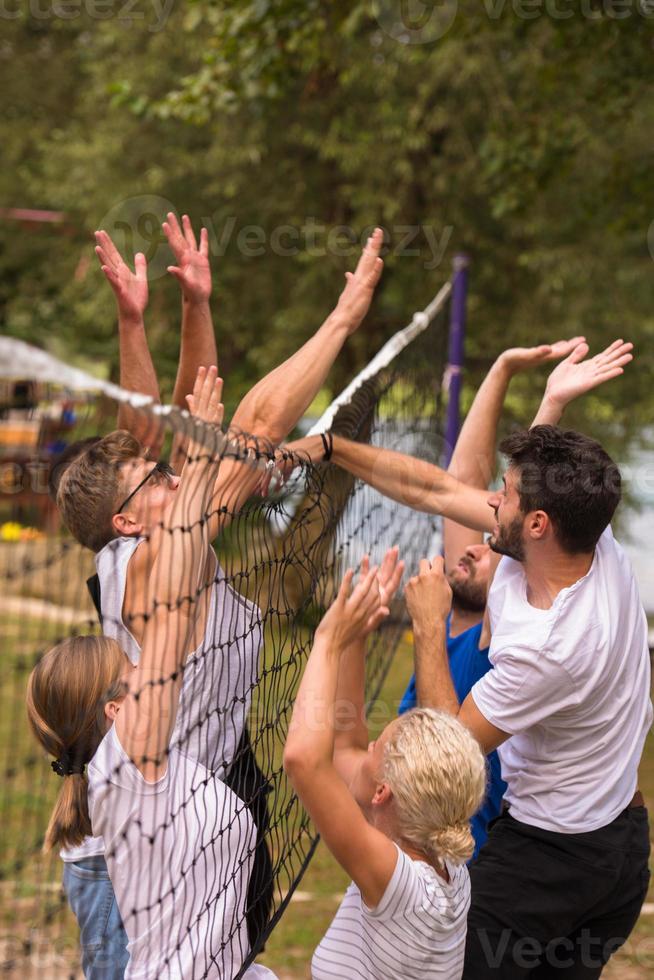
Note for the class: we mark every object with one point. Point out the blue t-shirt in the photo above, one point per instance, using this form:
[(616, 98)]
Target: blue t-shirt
[(467, 665)]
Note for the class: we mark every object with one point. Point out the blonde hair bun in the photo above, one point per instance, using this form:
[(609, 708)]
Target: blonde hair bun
[(455, 844), (437, 773)]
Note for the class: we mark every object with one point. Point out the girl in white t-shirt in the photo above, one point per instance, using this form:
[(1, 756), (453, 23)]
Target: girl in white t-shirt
[(395, 813), (179, 844)]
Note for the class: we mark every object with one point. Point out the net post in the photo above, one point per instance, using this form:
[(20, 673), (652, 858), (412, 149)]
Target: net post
[(455, 358)]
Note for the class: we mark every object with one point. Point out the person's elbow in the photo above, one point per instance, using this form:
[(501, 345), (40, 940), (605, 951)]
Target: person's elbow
[(294, 759), (262, 421), (299, 762)]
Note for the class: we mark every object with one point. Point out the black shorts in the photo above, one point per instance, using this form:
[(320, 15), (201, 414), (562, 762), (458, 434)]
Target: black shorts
[(555, 905)]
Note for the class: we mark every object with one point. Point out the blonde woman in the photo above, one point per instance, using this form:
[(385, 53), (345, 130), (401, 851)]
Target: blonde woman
[(179, 843), (395, 813)]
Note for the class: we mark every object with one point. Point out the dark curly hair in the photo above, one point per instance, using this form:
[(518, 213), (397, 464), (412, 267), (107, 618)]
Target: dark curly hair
[(570, 477)]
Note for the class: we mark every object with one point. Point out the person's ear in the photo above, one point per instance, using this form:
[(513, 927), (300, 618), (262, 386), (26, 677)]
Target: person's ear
[(383, 795), (125, 526), (111, 709), (538, 524)]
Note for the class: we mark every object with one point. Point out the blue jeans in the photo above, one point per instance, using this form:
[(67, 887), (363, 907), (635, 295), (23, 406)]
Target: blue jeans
[(102, 936)]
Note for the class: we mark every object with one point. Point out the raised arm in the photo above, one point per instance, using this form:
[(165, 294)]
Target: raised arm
[(275, 405), (367, 855), (351, 727), (136, 368), (198, 341), (193, 273), (406, 479), (146, 719), (428, 599), (474, 459)]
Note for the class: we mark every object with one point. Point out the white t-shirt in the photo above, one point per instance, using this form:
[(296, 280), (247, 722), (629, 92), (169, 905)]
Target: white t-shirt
[(571, 684), (179, 854), (416, 932), (90, 847)]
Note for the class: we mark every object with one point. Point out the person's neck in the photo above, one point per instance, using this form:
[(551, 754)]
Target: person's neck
[(385, 822), (463, 619), (551, 571), (416, 855)]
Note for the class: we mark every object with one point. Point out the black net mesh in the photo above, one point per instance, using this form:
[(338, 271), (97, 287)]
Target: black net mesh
[(206, 860)]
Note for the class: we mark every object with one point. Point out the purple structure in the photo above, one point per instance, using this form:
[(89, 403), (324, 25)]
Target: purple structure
[(456, 352)]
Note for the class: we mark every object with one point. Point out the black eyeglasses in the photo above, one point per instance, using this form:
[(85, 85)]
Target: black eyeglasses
[(161, 469)]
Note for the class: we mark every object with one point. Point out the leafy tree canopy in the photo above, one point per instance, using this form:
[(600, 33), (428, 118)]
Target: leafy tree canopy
[(291, 126)]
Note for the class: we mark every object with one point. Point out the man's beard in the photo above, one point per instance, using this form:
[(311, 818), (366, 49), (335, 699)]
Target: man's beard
[(469, 595), (509, 541)]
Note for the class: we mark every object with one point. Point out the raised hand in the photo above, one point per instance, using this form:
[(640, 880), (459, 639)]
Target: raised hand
[(354, 612), (354, 302), (205, 401), (389, 577), (428, 594), (130, 288), (523, 358), (192, 271), (576, 376)]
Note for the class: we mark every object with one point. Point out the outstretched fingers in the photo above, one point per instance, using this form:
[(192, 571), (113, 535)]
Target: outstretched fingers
[(562, 348), (110, 275), (370, 265), (173, 233), (346, 587), (579, 353), (206, 401), (104, 243), (616, 354), (141, 266), (389, 564), (189, 234), (192, 399), (365, 598), (390, 574)]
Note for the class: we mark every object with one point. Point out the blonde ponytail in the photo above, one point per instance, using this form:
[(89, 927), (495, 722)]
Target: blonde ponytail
[(66, 694), (437, 773)]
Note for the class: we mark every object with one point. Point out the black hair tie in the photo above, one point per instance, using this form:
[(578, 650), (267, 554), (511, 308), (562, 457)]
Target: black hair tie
[(64, 766), (327, 445)]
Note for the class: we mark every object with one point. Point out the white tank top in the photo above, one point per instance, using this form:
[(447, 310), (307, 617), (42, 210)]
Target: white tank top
[(219, 676)]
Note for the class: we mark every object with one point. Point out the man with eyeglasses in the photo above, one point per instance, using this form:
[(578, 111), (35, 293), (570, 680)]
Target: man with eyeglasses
[(112, 497)]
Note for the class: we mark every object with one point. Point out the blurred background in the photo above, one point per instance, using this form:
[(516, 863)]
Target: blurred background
[(519, 133)]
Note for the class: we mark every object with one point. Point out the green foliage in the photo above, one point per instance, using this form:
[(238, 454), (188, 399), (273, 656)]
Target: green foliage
[(524, 142)]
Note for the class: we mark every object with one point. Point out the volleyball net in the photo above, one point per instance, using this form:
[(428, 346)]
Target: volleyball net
[(279, 561)]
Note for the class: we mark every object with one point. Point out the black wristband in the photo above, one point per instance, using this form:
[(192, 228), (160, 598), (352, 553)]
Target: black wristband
[(328, 445)]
